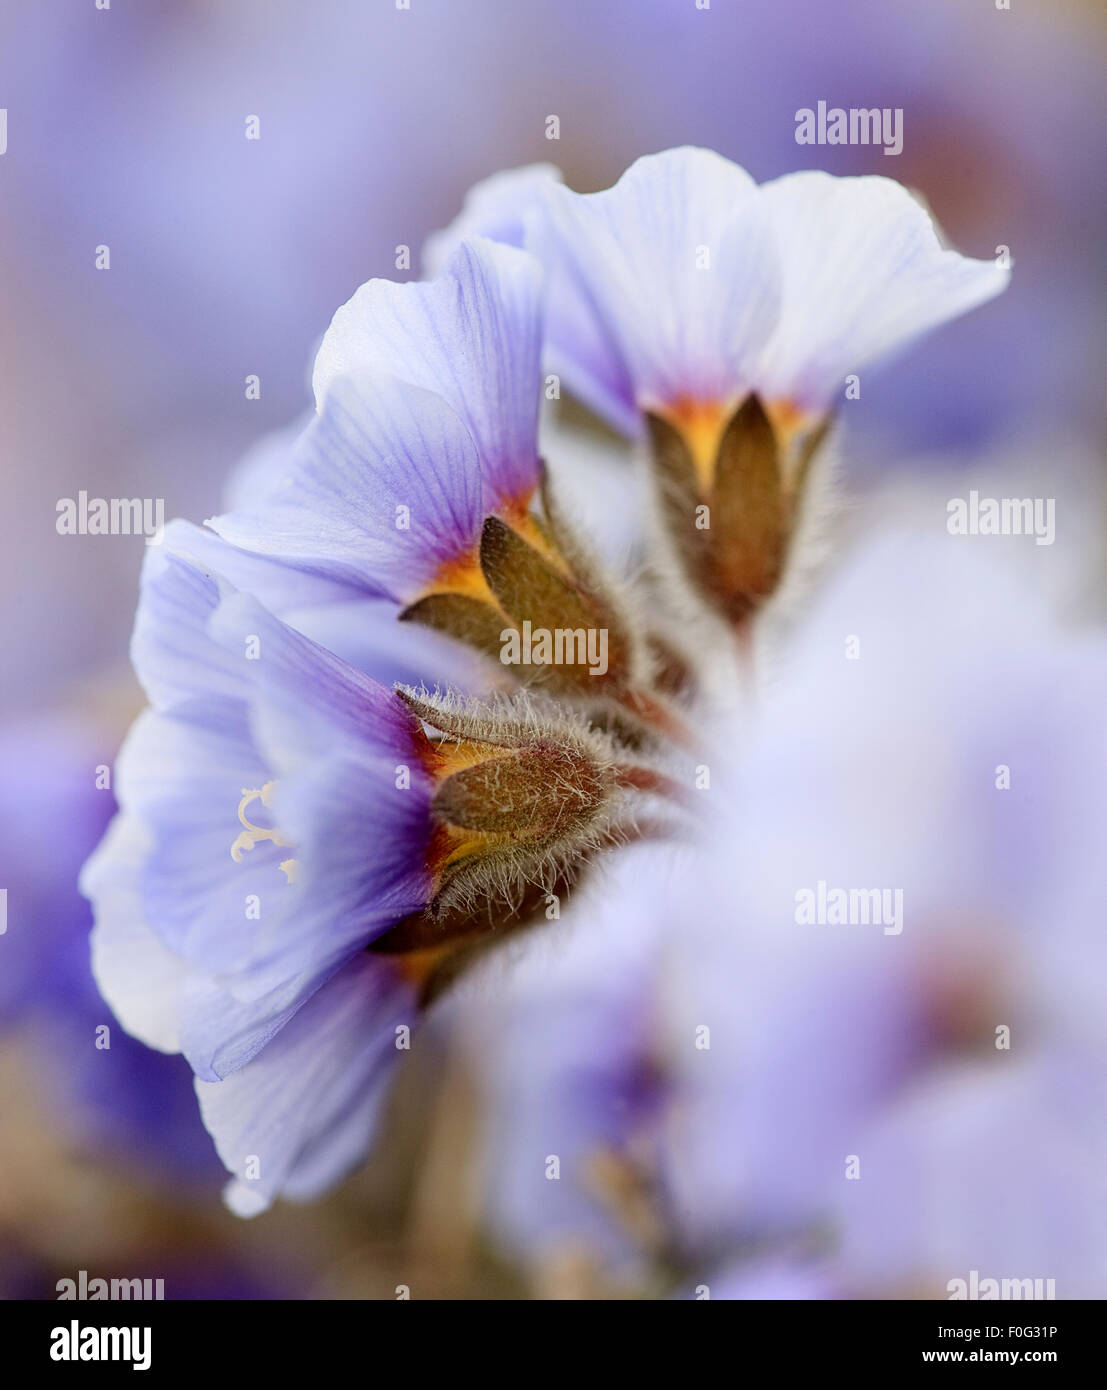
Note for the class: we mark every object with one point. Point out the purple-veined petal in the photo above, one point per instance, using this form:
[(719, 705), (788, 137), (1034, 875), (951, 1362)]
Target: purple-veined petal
[(316, 701), (473, 335), (136, 973), (238, 948), (381, 491), (362, 630), (663, 288), (171, 652), (305, 1109), (350, 830), (276, 584), (182, 776)]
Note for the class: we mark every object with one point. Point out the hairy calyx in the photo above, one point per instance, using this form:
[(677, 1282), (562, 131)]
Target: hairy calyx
[(525, 794)]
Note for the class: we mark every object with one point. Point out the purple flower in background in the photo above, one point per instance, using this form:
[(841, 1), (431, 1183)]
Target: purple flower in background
[(108, 1088), (842, 1089), (561, 1040)]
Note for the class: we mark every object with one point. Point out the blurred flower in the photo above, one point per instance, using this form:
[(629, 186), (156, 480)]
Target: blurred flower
[(105, 1088), (842, 1096)]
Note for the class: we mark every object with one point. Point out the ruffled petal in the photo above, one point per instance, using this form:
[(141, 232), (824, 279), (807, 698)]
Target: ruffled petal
[(864, 272), (663, 288), (198, 638), (220, 1033), (310, 702), (473, 335)]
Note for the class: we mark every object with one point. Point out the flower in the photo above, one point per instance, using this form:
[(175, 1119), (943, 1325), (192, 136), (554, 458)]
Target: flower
[(779, 289), (280, 813), (427, 401), (726, 317), (304, 859)]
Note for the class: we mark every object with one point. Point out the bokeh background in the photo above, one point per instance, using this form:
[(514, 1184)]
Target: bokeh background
[(126, 128)]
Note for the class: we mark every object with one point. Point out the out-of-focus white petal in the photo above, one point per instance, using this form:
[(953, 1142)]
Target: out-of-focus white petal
[(140, 978), (496, 208)]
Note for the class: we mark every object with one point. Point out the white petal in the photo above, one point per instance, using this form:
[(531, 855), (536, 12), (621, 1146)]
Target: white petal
[(864, 272), (661, 288), (138, 976)]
